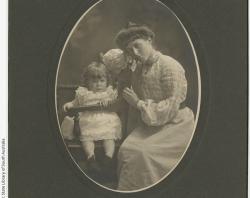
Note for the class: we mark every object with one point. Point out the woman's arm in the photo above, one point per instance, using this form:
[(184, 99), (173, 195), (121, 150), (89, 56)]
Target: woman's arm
[(174, 85)]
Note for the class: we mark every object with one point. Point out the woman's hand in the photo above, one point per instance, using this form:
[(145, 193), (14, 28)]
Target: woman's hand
[(130, 96), (67, 106)]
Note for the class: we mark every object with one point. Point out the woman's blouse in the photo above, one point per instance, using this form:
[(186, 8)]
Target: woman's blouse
[(161, 87)]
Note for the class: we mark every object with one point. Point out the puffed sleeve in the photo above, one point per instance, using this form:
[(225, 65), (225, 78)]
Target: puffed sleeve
[(174, 85), (80, 94)]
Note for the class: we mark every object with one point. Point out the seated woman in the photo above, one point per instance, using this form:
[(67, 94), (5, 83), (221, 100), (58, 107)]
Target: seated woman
[(161, 125)]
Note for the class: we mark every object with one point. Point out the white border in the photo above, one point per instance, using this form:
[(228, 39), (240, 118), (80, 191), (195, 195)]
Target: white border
[(199, 97)]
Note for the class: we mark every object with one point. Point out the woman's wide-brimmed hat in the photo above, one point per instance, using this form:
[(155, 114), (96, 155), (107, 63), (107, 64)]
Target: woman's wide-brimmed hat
[(132, 32)]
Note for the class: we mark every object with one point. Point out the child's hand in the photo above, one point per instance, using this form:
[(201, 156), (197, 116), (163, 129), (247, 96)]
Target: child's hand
[(105, 103), (67, 106)]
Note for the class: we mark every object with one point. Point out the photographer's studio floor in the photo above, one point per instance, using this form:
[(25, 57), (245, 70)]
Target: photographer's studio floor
[(79, 157)]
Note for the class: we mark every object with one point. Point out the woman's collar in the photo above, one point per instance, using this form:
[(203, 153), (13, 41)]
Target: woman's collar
[(154, 57)]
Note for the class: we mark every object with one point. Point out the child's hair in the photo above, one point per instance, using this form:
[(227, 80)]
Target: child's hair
[(95, 70), (115, 60)]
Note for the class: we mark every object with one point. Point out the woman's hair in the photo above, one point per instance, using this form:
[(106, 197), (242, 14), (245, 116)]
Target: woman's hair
[(131, 32), (95, 70)]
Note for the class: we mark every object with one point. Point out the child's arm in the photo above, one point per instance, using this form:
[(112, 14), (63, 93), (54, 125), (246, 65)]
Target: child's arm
[(74, 103), (67, 106)]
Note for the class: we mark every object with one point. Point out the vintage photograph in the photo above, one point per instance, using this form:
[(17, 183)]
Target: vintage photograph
[(128, 93)]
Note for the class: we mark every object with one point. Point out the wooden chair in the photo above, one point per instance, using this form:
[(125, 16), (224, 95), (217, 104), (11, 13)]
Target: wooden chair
[(75, 147), (75, 144)]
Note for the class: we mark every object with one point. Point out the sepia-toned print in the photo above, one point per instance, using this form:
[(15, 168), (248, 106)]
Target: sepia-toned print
[(128, 93)]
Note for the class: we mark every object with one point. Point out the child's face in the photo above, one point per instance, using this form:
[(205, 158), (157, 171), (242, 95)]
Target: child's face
[(97, 84)]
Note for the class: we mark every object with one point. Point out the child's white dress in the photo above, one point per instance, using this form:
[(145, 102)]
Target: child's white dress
[(94, 125)]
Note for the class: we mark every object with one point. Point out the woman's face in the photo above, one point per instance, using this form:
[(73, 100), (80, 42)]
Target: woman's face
[(140, 49)]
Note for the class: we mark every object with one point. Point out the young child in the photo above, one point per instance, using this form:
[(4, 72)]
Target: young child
[(116, 61), (120, 66), (98, 124)]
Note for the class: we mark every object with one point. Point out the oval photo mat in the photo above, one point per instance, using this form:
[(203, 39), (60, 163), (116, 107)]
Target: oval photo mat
[(94, 33)]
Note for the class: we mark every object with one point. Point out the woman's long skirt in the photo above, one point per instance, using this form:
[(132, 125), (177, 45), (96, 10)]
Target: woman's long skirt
[(150, 153)]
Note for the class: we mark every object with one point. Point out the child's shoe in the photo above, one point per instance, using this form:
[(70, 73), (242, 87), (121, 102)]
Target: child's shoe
[(107, 162), (109, 168), (93, 167)]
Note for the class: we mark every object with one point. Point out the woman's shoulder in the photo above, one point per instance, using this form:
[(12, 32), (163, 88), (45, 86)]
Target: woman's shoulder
[(169, 63)]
